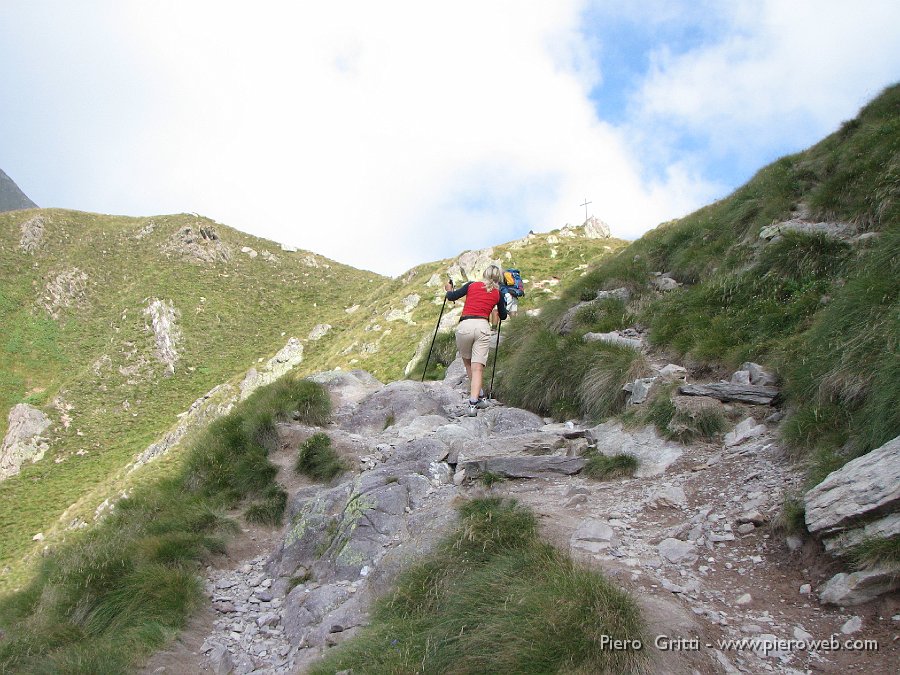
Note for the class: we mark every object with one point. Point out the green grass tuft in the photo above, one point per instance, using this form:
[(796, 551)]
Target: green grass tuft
[(269, 509), (601, 467), (494, 598), (489, 478), (684, 425), (877, 551), (563, 375), (792, 517), (318, 460)]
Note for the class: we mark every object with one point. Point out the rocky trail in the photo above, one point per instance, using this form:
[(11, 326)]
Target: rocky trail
[(691, 536)]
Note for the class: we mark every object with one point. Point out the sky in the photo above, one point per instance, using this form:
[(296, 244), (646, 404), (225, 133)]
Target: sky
[(387, 134)]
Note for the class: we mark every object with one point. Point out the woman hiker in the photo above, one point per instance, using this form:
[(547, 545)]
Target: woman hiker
[(473, 335)]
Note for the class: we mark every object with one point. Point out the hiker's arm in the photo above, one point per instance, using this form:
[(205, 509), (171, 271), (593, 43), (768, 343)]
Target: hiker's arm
[(501, 307), (459, 292)]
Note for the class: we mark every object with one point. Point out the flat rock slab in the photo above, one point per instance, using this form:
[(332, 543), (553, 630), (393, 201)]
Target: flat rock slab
[(859, 587), (727, 391), (593, 536), (523, 467)]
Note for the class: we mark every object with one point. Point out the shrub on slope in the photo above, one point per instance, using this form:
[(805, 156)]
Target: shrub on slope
[(121, 589)]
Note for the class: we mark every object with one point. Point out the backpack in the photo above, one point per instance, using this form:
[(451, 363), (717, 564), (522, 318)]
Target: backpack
[(512, 283)]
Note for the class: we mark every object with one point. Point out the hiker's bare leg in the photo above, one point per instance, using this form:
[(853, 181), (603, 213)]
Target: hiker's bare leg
[(468, 364), (475, 380)]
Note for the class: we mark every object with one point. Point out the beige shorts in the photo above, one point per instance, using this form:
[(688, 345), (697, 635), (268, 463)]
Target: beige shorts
[(473, 340)]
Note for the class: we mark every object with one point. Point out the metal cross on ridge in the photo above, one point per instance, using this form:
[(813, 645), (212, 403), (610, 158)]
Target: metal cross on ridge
[(585, 205)]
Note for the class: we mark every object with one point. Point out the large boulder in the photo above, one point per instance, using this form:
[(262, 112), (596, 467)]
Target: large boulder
[(455, 375), (614, 338), (864, 488), (654, 454), (399, 403), (594, 228), (347, 387), (346, 544), (503, 421), (23, 441), (859, 587)]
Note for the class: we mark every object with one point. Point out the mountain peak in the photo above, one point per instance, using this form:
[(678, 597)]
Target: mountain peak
[(11, 197)]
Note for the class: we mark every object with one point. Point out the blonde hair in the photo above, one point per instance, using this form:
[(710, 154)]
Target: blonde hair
[(491, 277)]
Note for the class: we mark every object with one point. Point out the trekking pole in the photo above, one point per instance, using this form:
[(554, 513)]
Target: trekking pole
[(428, 358), (496, 354)]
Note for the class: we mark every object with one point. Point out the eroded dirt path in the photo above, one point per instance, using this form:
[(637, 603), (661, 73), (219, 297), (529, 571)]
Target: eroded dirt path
[(245, 555), (729, 584)]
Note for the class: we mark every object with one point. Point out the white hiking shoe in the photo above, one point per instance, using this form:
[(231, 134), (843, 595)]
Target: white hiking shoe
[(473, 410)]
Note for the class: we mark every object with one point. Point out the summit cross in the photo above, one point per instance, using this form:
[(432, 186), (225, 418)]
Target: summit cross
[(585, 205)]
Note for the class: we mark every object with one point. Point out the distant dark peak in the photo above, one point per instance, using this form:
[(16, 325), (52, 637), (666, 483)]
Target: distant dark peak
[(11, 197)]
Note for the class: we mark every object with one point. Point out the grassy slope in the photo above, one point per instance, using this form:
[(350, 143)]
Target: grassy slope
[(125, 401), (823, 313)]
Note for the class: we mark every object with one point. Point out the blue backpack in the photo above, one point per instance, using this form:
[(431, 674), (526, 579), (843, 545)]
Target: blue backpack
[(512, 283)]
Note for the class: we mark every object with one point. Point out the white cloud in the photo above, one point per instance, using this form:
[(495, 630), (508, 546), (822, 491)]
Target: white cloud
[(381, 134), (387, 134), (782, 74)]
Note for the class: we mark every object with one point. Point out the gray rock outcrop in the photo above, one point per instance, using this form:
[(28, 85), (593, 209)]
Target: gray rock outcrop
[(742, 393), (594, 228), (654, 454), (23, 441), (473, 263), (220, 400), (349, 542), (287, 357), (347, 388), (164, 324), (63, 290), (614, 338), (398, 403), (862, 489), (803, 226), (758, 374), (319, 331), (857, 503), (198, 244), (860, 587), (32, 234)]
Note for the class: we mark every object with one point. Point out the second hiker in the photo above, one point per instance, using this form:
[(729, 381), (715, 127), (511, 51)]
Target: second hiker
[(473, 335)]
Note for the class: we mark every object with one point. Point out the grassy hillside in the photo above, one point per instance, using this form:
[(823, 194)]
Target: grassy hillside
[(820, 306), (76, 340)]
